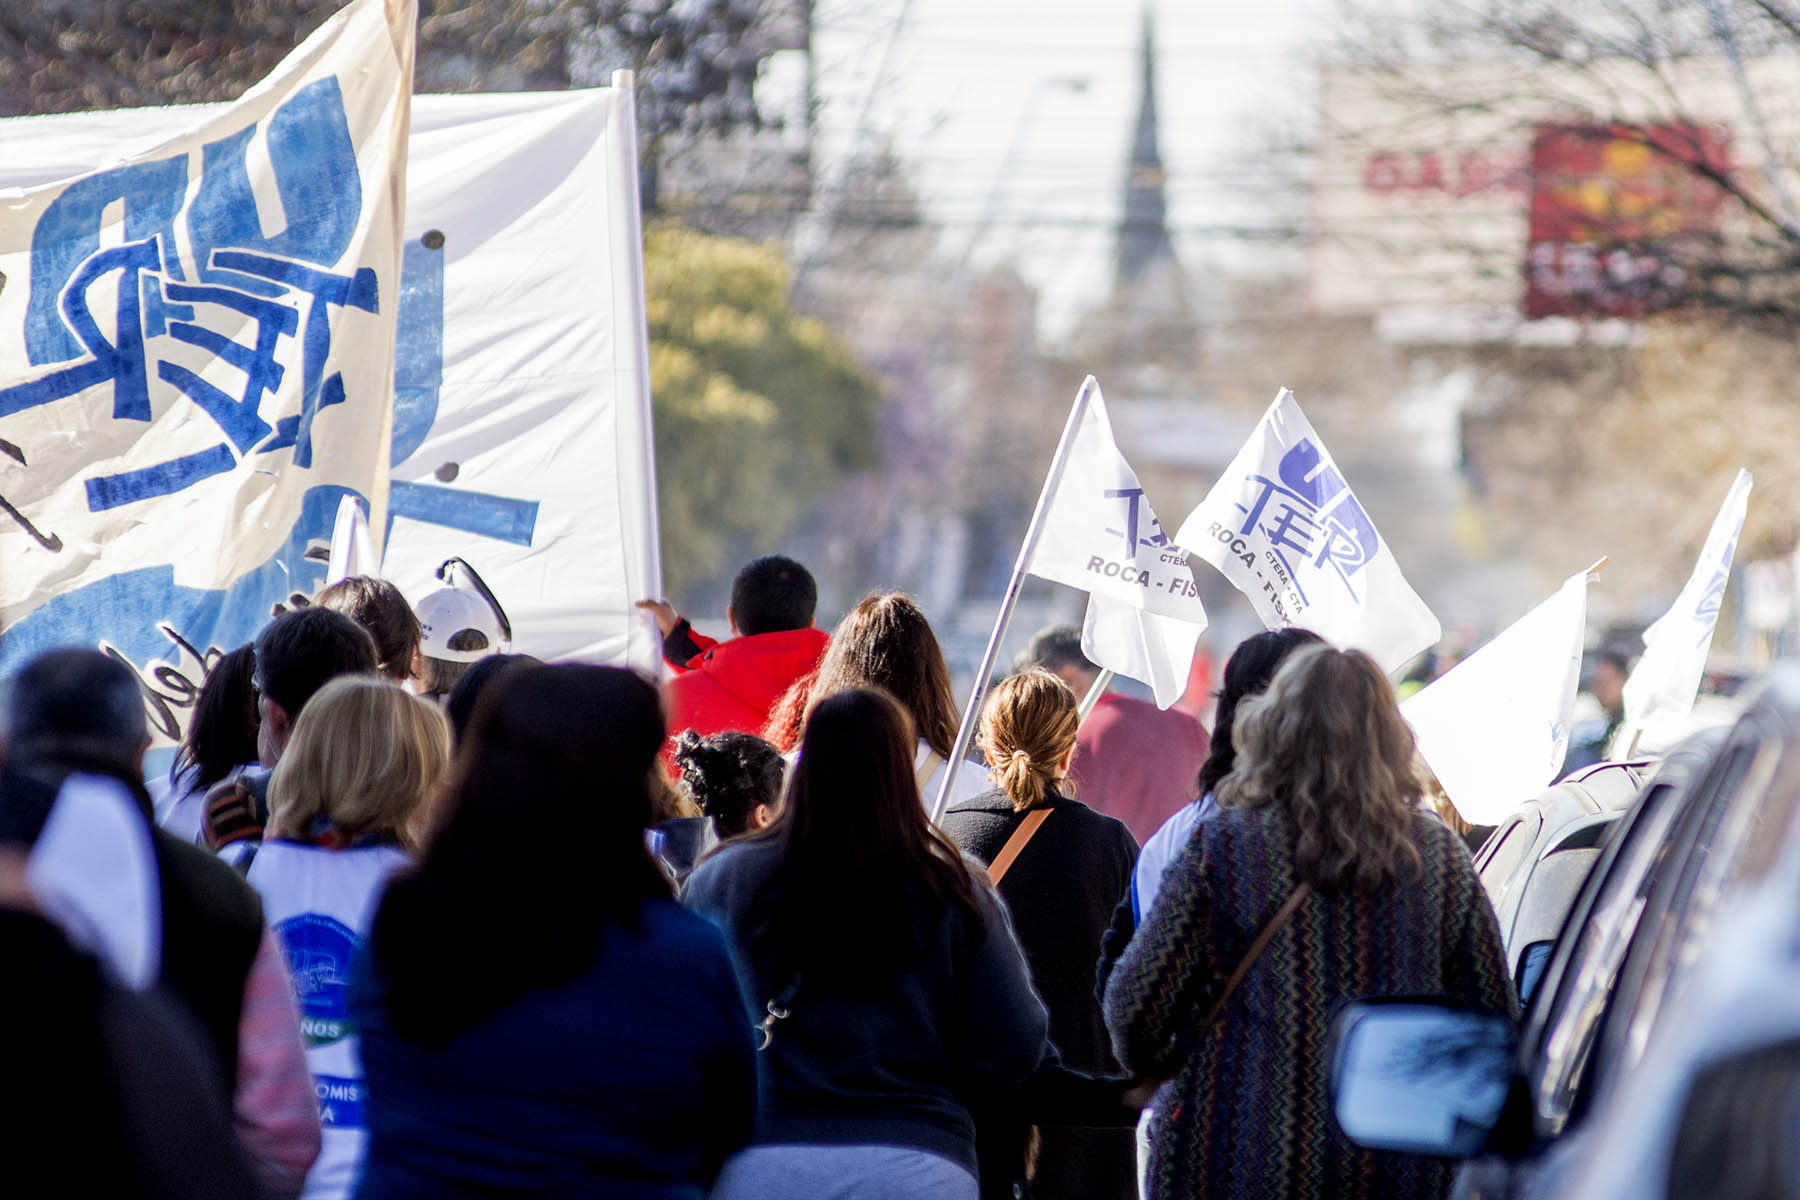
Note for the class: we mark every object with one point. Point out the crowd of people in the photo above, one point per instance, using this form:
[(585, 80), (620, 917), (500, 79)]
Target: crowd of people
[(410, 916)]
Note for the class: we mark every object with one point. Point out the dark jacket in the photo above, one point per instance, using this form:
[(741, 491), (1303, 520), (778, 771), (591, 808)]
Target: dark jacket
[(122, 1098), (1247, 1112), (897, 1066), (633, 1082), (1061, 892), (212, 921), (732, 685)]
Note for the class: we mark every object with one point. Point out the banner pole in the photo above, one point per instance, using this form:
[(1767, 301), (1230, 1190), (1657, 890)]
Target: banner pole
[(1095, 690), (965, 733)]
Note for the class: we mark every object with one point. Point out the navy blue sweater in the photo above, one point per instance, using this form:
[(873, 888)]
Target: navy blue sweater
[(899, 1067), (635, 1081)]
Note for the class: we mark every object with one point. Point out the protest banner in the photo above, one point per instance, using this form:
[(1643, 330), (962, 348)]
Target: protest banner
[(1495, 727), (1284, 527), (522, 422), (1660, 692), (521, 434), (1092, 529), (196, 346)]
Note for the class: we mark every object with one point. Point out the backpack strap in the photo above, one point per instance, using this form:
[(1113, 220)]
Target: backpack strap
[(1003, 861)]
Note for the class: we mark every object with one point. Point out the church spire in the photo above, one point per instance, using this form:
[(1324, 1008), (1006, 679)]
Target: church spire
[(1144, 233)]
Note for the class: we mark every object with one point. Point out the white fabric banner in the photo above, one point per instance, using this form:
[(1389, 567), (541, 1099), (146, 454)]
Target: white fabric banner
[(521, 432), (1284, 527), (522, 421), (1100, 535), (1660, 693), (1495, 727), (196, 342)]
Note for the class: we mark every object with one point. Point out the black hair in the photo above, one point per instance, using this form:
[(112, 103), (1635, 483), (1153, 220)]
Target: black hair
[(300, 652), (222, 733), (540, 851), (773, 594), (861, 866), (728, 775), (460, 704), (1614, 659), (1054, 649), (1247, 673), (77, 701), (379, 607)]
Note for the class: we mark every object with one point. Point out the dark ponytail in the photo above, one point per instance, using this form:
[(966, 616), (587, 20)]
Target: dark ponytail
[(1247, 673)]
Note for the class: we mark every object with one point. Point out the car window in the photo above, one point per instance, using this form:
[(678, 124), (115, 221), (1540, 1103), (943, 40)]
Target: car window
[(1681, 908), (1594, 954), (1512, 844)]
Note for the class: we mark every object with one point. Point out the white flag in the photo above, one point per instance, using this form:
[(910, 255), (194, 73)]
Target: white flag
[(352, 552), (1284, 527), (1146, 646), (196, 360), (1495, 728), (1100, 535), (1661, 690)]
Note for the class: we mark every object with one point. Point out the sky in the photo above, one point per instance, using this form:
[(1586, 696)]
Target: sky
[(1048, 89)]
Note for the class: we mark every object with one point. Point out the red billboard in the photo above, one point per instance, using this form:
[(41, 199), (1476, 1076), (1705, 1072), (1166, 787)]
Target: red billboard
[(1615, 209)]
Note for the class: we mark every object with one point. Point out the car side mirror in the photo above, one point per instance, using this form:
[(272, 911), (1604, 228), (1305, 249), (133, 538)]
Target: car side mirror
[(1421, 1076), (1531, 970)]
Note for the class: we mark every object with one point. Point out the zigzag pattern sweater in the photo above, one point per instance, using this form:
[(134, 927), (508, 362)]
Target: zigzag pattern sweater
[(1247, 1112)]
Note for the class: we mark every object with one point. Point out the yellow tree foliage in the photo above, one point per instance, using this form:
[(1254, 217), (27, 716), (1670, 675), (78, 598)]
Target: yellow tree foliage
[(758, 411)]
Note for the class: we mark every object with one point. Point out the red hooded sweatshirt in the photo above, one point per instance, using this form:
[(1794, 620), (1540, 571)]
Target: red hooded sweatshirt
[(733, 684)]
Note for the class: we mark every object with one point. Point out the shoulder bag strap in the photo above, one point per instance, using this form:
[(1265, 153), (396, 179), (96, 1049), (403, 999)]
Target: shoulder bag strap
[(1003, 861), (1270, 928)]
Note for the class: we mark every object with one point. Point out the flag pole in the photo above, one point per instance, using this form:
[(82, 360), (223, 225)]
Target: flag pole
[(965, 733), (1097, 689)]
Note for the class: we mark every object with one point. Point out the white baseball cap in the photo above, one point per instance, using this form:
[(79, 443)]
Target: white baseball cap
[(447, 612)]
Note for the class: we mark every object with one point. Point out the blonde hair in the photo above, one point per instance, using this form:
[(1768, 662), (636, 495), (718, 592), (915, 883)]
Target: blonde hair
[(1027, 728), (364, 755), (1326, 745)]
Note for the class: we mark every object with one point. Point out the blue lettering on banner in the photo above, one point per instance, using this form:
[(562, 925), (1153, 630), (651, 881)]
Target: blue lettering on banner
[(319, 951), (418, 382), (458, 508), (340, 1101), (1139, 534), (147, 619), (280, 282), (419, 346), (1309, 513)]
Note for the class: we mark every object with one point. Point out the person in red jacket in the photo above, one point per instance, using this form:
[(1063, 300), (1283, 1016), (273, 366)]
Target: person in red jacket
[(732, 684), (1133, 761)]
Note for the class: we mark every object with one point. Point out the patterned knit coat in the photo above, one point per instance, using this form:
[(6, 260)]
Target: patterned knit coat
[(1247, 1112)]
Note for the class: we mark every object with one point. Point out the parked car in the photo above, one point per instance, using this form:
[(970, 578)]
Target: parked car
[(1515, 1102), (1534, 862)]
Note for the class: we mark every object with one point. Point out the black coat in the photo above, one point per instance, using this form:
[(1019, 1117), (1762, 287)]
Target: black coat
[(1061, 892)]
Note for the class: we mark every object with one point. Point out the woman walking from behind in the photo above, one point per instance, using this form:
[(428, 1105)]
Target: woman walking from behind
[(1320, 839), (538, 1015), (893, 987), (885, 642), (1067, 868), (342, 804)]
